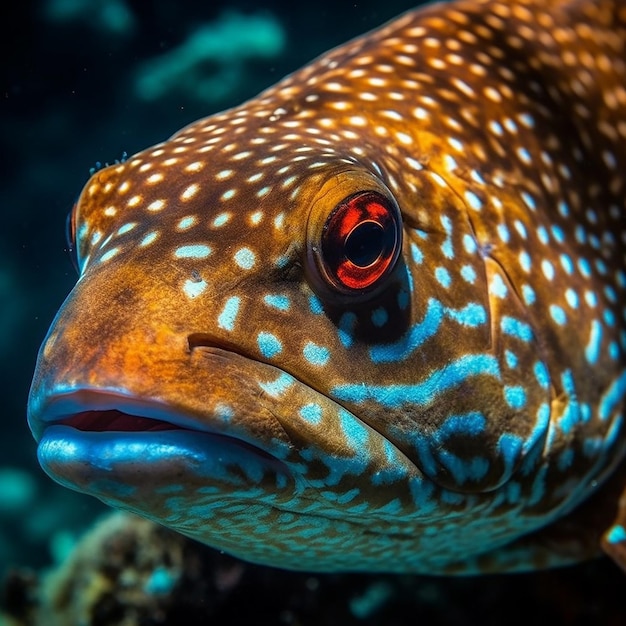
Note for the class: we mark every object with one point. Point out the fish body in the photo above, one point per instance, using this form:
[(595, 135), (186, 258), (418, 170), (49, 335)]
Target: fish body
[(372, 319)]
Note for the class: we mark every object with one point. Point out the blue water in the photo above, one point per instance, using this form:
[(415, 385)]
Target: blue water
[(84, 81)]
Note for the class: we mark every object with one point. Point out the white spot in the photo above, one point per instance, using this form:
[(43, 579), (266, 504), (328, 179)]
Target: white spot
[(156, 205), (245, 258), (194, 288), (547, 269)]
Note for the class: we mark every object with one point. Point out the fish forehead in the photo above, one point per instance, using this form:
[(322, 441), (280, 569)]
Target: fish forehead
[(495, 364)]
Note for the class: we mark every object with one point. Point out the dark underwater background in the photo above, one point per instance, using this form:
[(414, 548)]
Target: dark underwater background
[(84, 81)]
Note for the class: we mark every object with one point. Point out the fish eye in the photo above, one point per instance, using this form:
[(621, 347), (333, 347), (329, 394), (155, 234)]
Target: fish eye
[(359, 244)]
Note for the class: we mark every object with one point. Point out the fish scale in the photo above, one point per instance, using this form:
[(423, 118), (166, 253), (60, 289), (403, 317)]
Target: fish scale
[(372, 319)]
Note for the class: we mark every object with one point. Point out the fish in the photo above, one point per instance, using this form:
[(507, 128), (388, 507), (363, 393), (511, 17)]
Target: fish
[(372, 319)]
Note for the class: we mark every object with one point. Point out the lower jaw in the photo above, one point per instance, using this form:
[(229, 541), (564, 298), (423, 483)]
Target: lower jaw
[(121, 465)]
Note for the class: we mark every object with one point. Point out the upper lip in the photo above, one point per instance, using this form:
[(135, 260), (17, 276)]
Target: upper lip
[(100, 410)]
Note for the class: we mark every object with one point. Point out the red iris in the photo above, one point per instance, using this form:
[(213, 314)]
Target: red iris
[(361, 241)]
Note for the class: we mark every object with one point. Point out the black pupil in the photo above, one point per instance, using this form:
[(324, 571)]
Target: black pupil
[(365, 244)]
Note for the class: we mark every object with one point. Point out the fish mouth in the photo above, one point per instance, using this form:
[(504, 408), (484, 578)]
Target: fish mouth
[(105, 443), (114, 420)]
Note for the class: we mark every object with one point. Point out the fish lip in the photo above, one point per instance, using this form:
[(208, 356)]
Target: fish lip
[(64, 407)]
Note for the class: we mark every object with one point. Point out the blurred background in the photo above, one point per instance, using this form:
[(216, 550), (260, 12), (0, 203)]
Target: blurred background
[(84, 81)]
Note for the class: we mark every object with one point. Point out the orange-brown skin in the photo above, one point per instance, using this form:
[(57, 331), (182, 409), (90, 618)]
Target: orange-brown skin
[(435, 422)]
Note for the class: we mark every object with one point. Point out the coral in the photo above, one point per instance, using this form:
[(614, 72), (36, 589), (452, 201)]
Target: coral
[(213, 60)]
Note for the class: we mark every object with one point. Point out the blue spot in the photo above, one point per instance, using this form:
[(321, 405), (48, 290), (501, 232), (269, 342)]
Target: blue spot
[(563, 208), (469, 243), (472, 424), (541, 374), (591, 298), (345, 328), (584, 267), (109, 255), (524, 260), (609, 317), (524, 155), (510, 447), (580, 234), (315, 305), (557, 233), (527, 120), (197, 251), (312, 413), (416, 254), (558, 314), (277, 301), (443, 276), (221, 219), (566, 263), (503, 233), (148, 239), (609, 292), (269, 345), (186, 222), (495, 128), (194, 287), (224, 412), (425, 392), (227, 317), (616, 534), (613, 350), (510, 358), (601, 267), (446, 248), (515, 397), (498, 288), (529, 294), (542, 233), (572, 298), (516, 328), (124, 229), (521, 229), (404, 294), (316, 355), (565, 459), (472, 314), (379, 316), (529, 201), (612, 397), (275, 388), (592, 349), (464, 470), (473, 200), (353, 431), (585, 412), (468, 273)]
